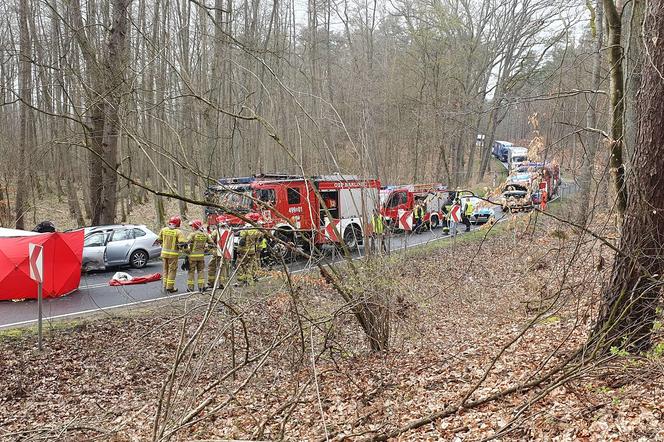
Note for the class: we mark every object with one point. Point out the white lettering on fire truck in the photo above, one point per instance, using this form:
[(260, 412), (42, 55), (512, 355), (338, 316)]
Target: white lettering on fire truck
[(350, 184), (295, 210)]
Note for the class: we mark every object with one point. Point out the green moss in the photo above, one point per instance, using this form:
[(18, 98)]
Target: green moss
[(615, 351), (14, 333), (550, 320), (465, 238), (657, 352), (31, 331), (604, 390)]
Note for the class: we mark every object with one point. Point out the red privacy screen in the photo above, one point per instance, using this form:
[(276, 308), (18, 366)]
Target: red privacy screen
[(62, 265)]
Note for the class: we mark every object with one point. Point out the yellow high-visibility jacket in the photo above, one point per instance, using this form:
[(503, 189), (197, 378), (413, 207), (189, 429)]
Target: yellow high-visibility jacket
[(469, 208), (197, 242), (377, 224), (170, 238)]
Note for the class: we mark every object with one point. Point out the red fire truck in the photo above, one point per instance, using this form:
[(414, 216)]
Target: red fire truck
[(399, 206), (316, 210)]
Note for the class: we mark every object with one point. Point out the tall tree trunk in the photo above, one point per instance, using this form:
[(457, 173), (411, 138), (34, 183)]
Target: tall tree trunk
[(86, 37), (593, 139), (116, 62), (632, 15), (615, 52), (25, 86), (629, 304), (95, 161)]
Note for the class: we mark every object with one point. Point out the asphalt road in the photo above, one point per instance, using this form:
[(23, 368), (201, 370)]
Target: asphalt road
[(95, 296)]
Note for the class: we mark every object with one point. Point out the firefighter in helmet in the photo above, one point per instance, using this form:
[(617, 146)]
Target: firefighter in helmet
[(171, 239), (197, 241), (222, 256), (247, 250)]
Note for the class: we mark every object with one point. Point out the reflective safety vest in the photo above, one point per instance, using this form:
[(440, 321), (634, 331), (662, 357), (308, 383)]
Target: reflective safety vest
[(418, 213), (170, 238), (262, 245), (197, 242), (469, 208), (377, 224)]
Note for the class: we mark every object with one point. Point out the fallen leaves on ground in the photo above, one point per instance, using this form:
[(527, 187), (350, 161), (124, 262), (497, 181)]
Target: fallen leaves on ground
[(311, 376)]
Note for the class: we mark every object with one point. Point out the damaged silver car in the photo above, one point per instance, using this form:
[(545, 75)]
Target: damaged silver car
[(118, 245)]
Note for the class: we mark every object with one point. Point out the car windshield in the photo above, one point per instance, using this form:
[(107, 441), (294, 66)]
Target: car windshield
[(238, 200)]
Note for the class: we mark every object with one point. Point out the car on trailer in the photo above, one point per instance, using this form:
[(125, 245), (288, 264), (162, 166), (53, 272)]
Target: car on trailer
[(516, 199)]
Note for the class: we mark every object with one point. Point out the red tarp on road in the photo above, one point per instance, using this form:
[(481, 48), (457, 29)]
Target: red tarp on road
[(136, 280), (62, 264)]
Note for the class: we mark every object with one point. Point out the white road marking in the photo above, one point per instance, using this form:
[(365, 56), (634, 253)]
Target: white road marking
[(179, 295), (93, 286), (85, 312)]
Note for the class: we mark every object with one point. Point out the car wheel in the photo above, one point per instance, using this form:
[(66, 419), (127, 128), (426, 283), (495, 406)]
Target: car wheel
[(139, 259)]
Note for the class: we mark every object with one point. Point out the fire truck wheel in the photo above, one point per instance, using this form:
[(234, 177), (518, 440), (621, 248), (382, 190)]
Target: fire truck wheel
[(352, 237), (279, 248), (434, 222)]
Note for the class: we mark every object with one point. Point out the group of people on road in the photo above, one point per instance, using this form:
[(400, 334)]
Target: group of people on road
[(466, 209), (252, 247), (217, 238)]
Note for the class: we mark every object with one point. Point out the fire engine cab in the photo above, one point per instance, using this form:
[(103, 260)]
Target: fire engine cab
[(318, 210), (401, 202)]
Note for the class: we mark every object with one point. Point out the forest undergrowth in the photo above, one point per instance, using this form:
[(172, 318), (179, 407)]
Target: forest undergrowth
[(286, 360)]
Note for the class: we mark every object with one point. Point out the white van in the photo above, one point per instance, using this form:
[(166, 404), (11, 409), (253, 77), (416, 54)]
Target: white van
[(516, 156)]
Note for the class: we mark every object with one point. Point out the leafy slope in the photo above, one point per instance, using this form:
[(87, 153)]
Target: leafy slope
[(454, 309)]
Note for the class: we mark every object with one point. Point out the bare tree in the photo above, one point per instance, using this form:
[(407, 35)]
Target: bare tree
[(104, 98), (401, 93), (629, 304), (593, 139), (25, 93), (615, 56)]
